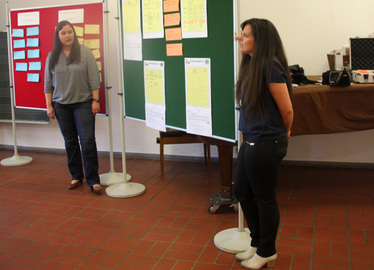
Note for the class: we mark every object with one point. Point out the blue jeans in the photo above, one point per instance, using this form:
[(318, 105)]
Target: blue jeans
[(255, 185), (76, 120)]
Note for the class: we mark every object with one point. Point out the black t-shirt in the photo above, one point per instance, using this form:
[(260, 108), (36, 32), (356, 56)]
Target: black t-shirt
[(270, 125)]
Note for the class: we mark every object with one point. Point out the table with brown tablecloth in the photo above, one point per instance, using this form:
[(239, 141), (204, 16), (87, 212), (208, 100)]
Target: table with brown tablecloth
[(321, 109)]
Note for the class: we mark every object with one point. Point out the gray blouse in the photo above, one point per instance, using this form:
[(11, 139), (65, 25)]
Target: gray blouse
[(72, 83)]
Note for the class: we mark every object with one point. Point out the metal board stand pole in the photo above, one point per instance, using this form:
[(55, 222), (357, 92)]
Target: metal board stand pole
[(125, 189), (16, 159), (234, 240), (112, 177)]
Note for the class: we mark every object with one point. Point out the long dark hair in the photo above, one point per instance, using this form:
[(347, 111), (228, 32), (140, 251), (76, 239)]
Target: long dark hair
[(251, 81), (75, 54)]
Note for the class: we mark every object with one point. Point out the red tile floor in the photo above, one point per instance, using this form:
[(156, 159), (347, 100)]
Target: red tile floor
[(327, 218)]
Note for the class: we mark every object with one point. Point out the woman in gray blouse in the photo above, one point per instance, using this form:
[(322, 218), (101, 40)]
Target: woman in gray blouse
[(71, 89)]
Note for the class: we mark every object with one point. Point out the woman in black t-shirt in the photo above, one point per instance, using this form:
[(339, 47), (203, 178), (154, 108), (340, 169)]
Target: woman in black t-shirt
[(263, 91)]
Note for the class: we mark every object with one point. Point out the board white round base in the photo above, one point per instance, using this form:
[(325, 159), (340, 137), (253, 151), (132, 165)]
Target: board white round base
[(16, 160), (125, 190), (233, 240)]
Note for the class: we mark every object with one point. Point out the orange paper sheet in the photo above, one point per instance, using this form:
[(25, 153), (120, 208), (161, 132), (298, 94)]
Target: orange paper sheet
[(174, 49), (172, 19), (171, 5), (173, 34)]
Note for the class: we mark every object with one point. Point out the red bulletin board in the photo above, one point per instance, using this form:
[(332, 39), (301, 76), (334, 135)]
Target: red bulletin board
[(28, 85)]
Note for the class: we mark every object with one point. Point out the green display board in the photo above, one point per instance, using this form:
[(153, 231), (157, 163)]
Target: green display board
[(218, 46)]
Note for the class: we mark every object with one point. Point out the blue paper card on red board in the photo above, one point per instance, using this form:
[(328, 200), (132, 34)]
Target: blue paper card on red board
[(32, 77), (18, 55), (32, 42), (35, 66), (19, 43), (33, 53), (32, 31), (21, 66), (18, 33)]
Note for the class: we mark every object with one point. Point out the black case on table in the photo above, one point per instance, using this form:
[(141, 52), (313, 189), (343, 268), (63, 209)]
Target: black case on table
[(362, 53)]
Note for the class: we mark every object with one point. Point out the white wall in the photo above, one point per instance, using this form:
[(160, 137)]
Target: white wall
[(309, 30)]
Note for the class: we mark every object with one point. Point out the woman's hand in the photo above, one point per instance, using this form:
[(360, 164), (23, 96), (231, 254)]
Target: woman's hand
[(51, 112), (95, 107)]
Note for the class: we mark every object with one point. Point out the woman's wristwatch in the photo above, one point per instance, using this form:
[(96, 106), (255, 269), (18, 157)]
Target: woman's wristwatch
[(97, 100)]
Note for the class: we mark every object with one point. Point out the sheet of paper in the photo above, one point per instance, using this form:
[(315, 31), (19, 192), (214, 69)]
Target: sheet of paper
[(92, 29), (18, 33), (198, 96), (28, 18), (78, 31), (80, 40), (172, 19), (71, 15), (171, 5), (96, 53), (32, 31), (173, 34), (33, 53), (21, 66), (19, 55), (199, 121), (132, 49), (19, 43), (132, 38), (32, 77), (175, 49), (194, 19), (154, 83), (32, 42), (92, 43), (153, 25), (35, 66), (131, 16), (154, 87), (155, 116), (198, 90)]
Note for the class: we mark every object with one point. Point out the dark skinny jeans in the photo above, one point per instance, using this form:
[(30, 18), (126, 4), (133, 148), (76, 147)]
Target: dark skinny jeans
[(255, 185), (76, 121)]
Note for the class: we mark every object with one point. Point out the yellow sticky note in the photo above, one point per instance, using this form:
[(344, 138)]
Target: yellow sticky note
[(92, 29), (96, 53), (78, 31), (98, 63), (92, 43)]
